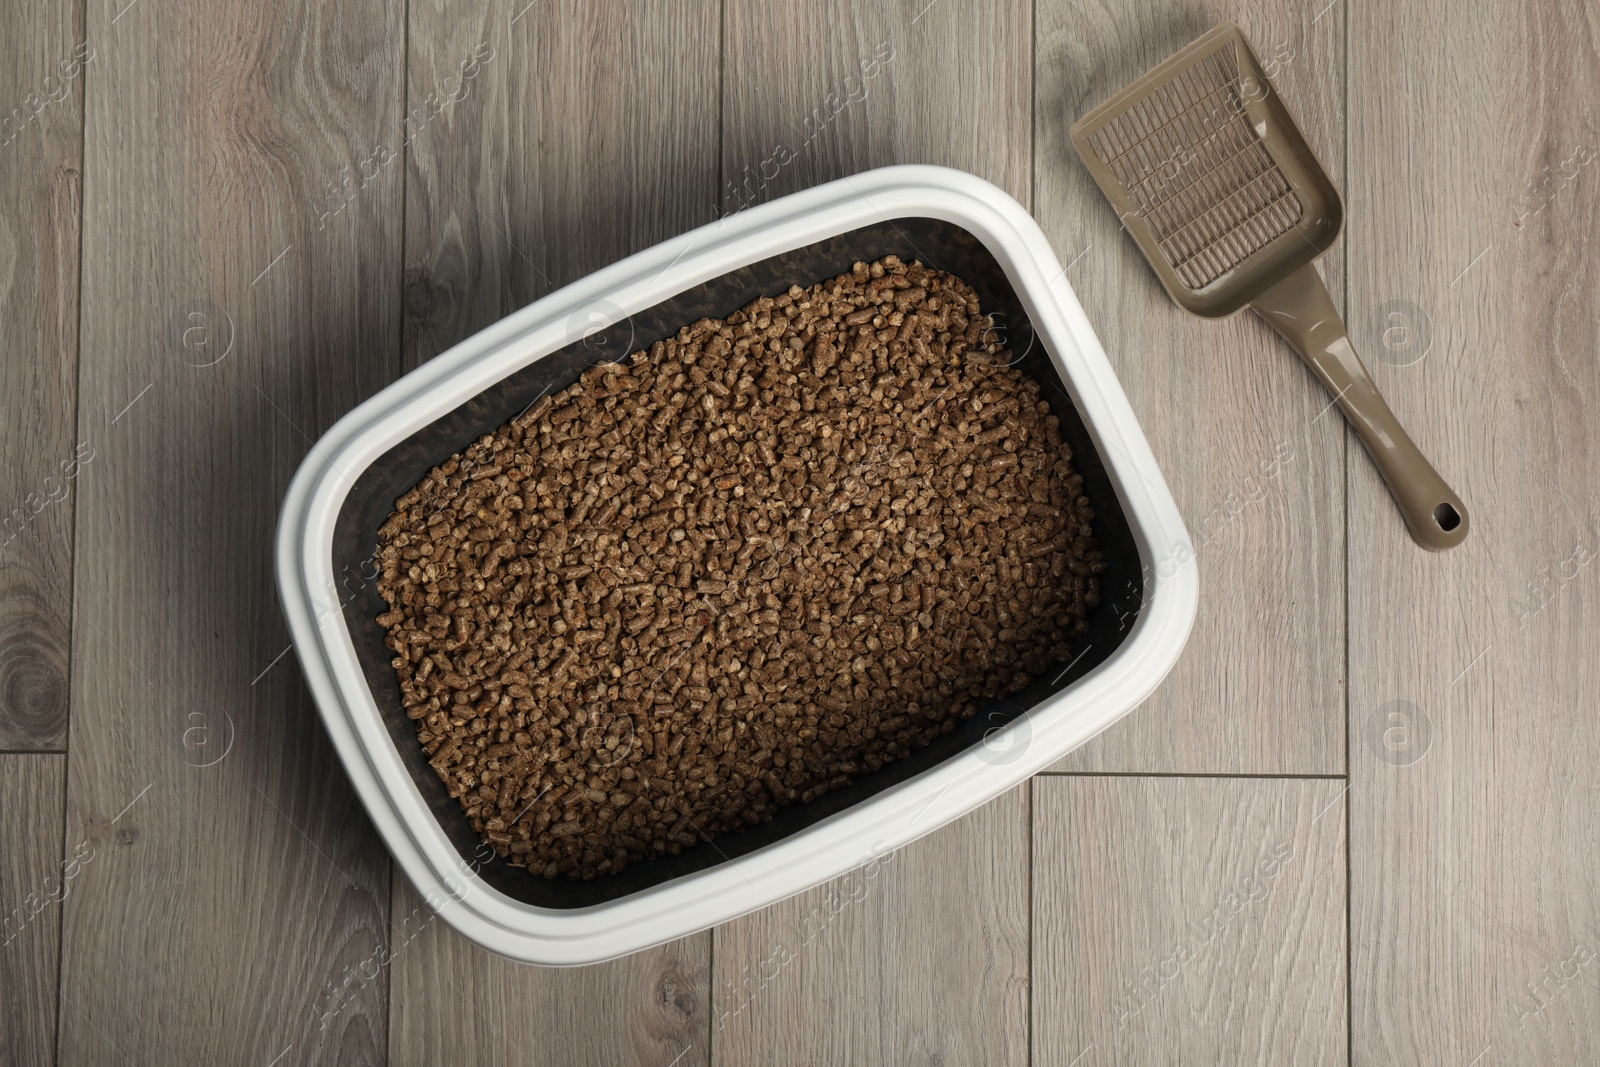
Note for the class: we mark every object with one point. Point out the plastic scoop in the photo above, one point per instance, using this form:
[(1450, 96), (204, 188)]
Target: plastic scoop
[(1220, 190)]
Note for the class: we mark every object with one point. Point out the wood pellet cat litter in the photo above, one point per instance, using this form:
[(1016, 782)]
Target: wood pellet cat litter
[(768, 555)]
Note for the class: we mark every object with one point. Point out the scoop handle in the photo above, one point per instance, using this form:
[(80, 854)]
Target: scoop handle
[(1299, 308)]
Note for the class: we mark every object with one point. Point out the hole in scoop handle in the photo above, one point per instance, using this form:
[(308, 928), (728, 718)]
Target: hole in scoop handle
[(1299, 308)]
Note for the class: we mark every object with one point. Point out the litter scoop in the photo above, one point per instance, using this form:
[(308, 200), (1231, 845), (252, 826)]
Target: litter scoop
[(1223, 195)]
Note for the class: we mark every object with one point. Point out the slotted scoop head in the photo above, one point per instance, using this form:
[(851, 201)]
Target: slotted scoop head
[(1218, 187)]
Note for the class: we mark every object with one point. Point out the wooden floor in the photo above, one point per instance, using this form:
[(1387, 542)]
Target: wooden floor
[(1358, 823)]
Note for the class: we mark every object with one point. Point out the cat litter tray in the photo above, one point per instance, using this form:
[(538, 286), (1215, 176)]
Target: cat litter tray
[(347, 486)]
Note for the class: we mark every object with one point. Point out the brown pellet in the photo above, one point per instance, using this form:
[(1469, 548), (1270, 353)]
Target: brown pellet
[(734, 572)]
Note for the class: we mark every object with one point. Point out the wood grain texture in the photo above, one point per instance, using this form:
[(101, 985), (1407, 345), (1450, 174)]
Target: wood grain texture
[(919, 957), (1475, 758), (41, 149), (589, 133), (228, 319), (282, 207), (1188, 920), (455, 1003), (1236, 423), (821, 89), (33, 883)]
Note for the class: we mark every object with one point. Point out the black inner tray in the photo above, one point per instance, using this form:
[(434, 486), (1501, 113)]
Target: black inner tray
[(935, 243)]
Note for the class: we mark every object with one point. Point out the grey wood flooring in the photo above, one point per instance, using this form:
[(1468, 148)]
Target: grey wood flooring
[(1357, 824)]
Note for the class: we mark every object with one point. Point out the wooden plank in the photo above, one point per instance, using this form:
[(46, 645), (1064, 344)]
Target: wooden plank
[(587, 133), (1188, 920), (1475, 763), (821, 89), (229, 317), (41, 150), (34, 881), (918, 957), (932, 963), (455, 1003), (592, 133), (1237, 424)]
